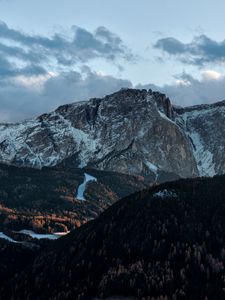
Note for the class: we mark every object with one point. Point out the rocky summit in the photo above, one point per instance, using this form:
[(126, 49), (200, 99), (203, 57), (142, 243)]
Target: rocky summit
[(131, 131)]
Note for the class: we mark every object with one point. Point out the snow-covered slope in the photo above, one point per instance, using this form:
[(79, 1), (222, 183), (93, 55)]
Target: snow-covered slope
[(131, 131), (205, 126), (82, 187), (6, 237)]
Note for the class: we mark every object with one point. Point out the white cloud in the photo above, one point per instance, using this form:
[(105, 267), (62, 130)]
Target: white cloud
[(101, 73), (211, 75), (34, 82), (182, 82)]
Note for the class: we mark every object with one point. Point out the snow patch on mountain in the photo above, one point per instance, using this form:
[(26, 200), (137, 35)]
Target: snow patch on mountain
[(39, 236), (82, 187), (165, 194), (197, 125), (6, 237), (204, 157), (152, 168), (162, 115), (85, 143)]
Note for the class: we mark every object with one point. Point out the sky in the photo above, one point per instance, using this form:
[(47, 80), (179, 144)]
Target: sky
[(54, 52)]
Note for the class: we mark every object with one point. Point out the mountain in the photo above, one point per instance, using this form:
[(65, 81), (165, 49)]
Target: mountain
[(58, 198), (205, 126), (136, 132), (166, 242)]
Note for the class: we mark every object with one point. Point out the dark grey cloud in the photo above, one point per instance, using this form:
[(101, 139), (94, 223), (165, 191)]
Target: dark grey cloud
[(27, 60), (102, 41), (74, 86), (26, 56), (79, 46), (18, 102), (18, 52), (200, 51), (9, 69), (188, 91)]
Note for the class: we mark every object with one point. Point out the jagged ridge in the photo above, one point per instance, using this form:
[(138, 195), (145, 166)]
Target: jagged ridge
[(131, 131)]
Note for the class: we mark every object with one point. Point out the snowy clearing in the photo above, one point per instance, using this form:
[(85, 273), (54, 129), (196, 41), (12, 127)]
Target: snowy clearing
[(82, 187), (5, 237), (39, 236), (165, 194)]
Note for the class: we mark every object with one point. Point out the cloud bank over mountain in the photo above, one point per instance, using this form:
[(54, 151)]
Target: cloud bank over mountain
[(188, 90)]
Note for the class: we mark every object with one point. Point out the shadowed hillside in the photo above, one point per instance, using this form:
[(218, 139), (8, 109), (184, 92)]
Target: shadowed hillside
[(168, 242)]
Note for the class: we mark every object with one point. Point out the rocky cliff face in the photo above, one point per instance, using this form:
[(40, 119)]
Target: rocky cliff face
[(131, 131), (205, 127)]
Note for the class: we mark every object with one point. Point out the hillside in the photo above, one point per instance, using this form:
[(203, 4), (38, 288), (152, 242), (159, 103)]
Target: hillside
[(47, 200), (167, 241)]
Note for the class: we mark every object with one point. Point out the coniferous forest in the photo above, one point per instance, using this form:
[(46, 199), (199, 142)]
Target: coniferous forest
[(166, 242)]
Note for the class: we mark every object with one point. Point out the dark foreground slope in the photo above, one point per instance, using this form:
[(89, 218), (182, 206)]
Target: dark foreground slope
[(14, 257), (167, 241)]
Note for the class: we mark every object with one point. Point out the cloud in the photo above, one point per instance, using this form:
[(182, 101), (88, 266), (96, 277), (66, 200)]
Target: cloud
[(7, 69), (20, 99), (39, 53), (211, 75), (187, 90), (79, 86), (37, 73), (200, 51)]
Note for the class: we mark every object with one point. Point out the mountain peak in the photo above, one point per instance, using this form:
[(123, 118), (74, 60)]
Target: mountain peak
[(131, 131)]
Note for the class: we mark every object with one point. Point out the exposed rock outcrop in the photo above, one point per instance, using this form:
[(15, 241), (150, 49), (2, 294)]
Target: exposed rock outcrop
[(131, 131)]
